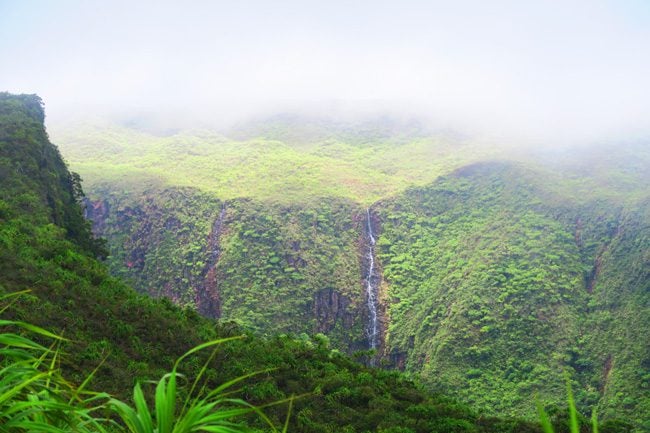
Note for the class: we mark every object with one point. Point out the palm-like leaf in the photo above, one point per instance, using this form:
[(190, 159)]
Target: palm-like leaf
[(206, 412), (33, 394)]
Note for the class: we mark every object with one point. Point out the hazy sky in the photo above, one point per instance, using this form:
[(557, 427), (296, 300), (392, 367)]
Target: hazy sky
[(572, 69)]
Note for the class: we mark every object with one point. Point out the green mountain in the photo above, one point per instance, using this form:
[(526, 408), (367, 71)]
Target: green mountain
[(492, 278), (46, 248), (500, 285), (525, 280)]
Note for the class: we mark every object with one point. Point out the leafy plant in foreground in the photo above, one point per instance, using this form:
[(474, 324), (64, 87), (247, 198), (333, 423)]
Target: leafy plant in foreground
[(35, 397), (574, 425), (33, 394), (209, 411)]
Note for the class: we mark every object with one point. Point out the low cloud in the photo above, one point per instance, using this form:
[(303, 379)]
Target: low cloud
[(556, 72)]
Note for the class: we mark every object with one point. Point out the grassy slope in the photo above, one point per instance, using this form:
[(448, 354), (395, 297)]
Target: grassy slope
[(262, 167), (294, 159)]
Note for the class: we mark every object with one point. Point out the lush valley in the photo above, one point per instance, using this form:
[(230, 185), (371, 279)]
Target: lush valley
[(500, 267), (117, 336), (495, 277)]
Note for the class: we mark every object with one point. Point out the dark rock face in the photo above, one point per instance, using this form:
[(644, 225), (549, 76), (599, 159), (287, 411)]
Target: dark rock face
[(97, 212), (592, 278), (396, 360), (578, 233), (329, 308), (139, 242), (208, 299)]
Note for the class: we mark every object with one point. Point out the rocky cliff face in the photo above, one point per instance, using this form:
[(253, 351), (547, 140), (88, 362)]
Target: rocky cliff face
[(208, 300), (160, 241), (274, 268), (331, 309)]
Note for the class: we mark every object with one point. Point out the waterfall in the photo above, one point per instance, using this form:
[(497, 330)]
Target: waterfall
[(371, 286)]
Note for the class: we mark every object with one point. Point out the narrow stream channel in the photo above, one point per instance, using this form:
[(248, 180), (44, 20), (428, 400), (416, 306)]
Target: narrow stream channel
[(371, 287)]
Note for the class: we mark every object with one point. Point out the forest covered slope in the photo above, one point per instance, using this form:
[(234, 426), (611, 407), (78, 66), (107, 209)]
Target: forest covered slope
[(525, 275), (499, 268), (46, 249), (501, 286)]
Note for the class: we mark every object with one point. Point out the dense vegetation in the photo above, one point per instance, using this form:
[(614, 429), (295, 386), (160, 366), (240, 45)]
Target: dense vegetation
[(295, 258), (127, 337), (501, 285), (497, 275), (495, 279)]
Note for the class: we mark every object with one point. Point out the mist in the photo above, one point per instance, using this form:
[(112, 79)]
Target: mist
[(553, 71)]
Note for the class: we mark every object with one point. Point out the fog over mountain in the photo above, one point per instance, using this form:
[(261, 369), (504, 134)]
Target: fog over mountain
[(420, 216), (556, 72)]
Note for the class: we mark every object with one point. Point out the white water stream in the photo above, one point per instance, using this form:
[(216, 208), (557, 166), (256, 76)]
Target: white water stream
[(371, 286)]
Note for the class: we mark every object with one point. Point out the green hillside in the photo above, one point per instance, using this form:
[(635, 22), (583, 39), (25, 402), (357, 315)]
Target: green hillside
[(291, 159), (500, 267), (46, 249), (501, 285), (274, 268), (259, 165)]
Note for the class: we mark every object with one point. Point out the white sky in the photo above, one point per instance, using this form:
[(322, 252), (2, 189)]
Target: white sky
[(576, 70)]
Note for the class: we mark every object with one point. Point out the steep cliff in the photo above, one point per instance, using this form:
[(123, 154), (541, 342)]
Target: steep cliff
[(46, 249), (272, 267)]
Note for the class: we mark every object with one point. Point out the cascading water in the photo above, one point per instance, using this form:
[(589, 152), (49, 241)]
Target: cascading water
[(371, 286)]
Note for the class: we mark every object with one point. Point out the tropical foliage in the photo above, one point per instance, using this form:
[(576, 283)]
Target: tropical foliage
[(528, 262)]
